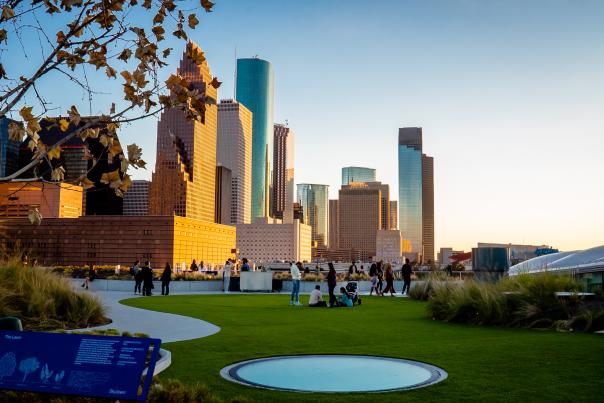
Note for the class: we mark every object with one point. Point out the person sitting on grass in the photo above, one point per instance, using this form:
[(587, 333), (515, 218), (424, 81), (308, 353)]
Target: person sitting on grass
[(316, 298), (345, 300)]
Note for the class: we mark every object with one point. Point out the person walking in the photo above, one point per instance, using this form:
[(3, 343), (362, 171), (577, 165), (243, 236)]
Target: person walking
[(165, 278), (332, 281), (226, 275), (374, 279), (296, 277), (380, 277), (406, 271), (91, 276), (389, 280), (135, 270), (147, 274)]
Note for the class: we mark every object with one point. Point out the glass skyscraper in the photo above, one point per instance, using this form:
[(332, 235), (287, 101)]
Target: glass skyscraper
[(254, 89), (410, 186), (357, 174), (314, 200)]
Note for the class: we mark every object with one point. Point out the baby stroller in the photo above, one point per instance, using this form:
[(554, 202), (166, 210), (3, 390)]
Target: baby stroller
[(353, 293)]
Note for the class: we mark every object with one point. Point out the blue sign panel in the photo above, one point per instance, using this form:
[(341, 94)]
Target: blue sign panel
[(77, 364), (545, 251)]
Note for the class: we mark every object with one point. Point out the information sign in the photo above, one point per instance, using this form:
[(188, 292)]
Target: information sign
[(77, 364)]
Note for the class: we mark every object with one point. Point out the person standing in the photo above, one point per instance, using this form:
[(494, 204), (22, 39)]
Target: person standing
[(389, 280), (406, 271), (380, 276), (245, 266), (165, 278), (296, 277), (373, 279), (226, 275), (332, 281), (147, 274), (194, 266), (138, 278)]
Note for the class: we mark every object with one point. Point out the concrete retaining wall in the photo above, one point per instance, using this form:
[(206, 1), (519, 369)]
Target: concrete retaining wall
[(175, 286)]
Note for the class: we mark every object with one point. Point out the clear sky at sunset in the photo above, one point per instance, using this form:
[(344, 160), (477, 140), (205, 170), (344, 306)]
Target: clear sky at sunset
[(510, 95)]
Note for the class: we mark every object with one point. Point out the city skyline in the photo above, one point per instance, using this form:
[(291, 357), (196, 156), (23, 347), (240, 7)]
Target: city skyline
[(500, 101)]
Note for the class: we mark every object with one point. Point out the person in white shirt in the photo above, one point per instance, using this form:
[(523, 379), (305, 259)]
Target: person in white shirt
[(296, 277), (226, 275), (316, 298)]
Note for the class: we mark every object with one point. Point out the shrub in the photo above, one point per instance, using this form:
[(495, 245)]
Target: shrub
[(45, 301), (173, 391)]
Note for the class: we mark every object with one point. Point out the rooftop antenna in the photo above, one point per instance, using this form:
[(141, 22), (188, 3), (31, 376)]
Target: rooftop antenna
[(235, 77), (286, 123)]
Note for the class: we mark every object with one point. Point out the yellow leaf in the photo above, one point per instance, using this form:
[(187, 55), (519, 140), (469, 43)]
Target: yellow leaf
[(63, 125), (55, 153), (124, 164), (110, 177), (86, 183), (126, 182), (193, 21), (26, 114), (34, 216), (15, 131), (7, 13), (58, 174), (33, 126), (74, 116), (106, 140), (207, 5)]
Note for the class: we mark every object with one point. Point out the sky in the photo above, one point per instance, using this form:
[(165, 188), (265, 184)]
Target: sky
[(510, 96)]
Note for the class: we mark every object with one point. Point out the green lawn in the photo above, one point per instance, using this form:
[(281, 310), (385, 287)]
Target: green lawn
[(484, 364)]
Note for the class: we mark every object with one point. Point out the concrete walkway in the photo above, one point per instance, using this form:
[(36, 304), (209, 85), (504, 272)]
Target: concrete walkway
[(165, 326)]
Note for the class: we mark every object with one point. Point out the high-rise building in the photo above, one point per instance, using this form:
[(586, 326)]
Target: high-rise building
[(410, 186), (428, 207), (223, 195), (314, 200), (185, 170), (393, 214), (283, 172), (9, 149), (389, 246), (136, 199), (254, 89), (270, 240), (357, 174), (53, 200), (298, 212), (334, 224), (385, 203), (234, 151), (360, 216)]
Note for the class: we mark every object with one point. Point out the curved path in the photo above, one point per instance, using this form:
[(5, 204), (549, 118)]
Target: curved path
[(165, 326)]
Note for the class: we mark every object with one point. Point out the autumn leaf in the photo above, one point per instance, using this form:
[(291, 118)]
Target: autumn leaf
[(60, 37), (2, 35), (141, 164), (15, 131), (74, 116), (26, 114), (7, 13), (109, 177), (215, 83), (126, 183), (34, 216), (55, 153), (207, 5), (134, 152), (58, 174), (106, 140), (85, 182), (158, 31), (124, 164), (166, 52), (193, 21), (125, 55), (63, 124), (110, 71)]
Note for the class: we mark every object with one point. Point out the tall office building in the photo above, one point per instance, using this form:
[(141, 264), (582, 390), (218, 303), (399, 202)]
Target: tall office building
[(314, 200), (283, 173), (334, 224), (234, 151), (357, 174), (428, 207), (393, 214), (410, 186), (136, 199), (254, 89), (360, 218), (185, 170), (9, 149), (222, 209)]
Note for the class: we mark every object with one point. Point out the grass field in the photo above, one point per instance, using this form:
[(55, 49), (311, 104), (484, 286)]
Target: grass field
[(484, 363)]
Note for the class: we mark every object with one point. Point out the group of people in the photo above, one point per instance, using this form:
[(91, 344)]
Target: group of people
[(143, 278), (379, 271), (316, 298)]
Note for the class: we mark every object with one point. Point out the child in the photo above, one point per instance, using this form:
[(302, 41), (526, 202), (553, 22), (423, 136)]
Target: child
[(374, 285)]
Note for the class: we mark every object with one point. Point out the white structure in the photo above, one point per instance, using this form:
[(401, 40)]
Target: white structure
[(389, 246), (576, 262), (270, 240), (136, 199), (234, 151)]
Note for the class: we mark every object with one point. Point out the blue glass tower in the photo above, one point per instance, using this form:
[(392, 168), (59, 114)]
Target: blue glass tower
[(254, 89), (410, 186), (357, 174), (9, 149)]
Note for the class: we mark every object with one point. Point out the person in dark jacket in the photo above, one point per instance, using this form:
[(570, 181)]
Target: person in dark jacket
[(406, 271), (165, 278), (91, 276), (332, 281), (147, 273), (380, 276), (138, 276), (389, 281)]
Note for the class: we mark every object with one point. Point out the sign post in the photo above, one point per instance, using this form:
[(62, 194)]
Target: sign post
[(77, 364)]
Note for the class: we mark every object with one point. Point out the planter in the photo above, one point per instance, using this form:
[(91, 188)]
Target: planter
[(175, 286)]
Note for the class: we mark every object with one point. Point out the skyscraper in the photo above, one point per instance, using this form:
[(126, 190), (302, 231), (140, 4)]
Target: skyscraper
[(334, 224), (283, 172), (9, 149), (393, 214), (185, 170), (428, 207), (223, 196), (360, 217), (314, 200), (410, 186), (234, 151), (357, 174), (136, 199), (254, 89)]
